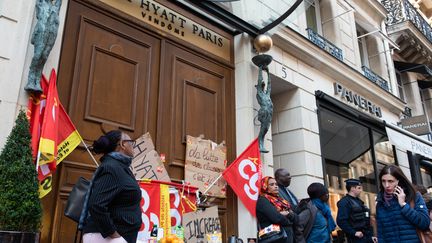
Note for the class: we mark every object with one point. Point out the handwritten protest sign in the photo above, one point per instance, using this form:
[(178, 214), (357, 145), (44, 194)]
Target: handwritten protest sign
[(201, 222), (205, 161), (147, 163)]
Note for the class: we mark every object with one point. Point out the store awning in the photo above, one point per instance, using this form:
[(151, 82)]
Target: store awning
[(412, 67), (408, 141)]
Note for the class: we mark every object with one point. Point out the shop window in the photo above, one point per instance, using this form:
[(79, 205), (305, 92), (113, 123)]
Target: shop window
[(351, 149), (426, 174)]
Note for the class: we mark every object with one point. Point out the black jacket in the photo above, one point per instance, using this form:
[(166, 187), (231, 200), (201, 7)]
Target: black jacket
[(267, 214), (114, 203), (347, 218)]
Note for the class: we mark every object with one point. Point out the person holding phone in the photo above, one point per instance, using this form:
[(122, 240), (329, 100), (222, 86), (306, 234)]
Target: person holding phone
[(400, 210)]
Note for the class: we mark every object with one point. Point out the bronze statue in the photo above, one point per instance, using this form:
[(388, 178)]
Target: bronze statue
[(265, 113), (43, 39)]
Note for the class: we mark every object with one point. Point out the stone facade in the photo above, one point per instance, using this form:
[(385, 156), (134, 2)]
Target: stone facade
[(300, 67)]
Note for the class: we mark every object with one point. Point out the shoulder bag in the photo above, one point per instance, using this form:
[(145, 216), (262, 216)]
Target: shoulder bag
[(271, 233), (425, 236), (76, 206), (75, 201)]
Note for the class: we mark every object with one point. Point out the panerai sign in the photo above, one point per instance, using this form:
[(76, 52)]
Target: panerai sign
[(357, 100), (167, 20), (416, 124)]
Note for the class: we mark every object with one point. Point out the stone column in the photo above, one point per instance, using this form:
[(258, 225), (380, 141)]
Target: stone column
[(247, 124)]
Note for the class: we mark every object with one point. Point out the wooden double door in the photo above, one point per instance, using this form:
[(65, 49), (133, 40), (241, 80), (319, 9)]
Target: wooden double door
[(116, 74)]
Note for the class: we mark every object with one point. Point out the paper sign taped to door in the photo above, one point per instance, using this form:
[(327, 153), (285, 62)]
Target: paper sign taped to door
[(205, 161), (147, 163)]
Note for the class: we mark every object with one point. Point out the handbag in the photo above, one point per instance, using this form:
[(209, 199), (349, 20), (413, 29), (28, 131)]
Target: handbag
[(272, 233), (76, 206), (425, 236), (75, 201)]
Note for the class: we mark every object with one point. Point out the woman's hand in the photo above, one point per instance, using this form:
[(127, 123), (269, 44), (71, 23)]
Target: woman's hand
[(284, 213), (399, 192)]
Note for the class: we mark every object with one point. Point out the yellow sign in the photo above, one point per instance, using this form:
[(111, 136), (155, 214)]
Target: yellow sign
[(169, 21)]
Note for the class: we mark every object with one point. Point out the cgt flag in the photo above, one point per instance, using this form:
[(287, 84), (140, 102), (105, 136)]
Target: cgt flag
[(244, 174), (48, 139), (67, 138)]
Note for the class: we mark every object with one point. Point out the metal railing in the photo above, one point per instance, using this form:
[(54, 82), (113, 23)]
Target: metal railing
[(324, 44), (375, 78), (403, 10)]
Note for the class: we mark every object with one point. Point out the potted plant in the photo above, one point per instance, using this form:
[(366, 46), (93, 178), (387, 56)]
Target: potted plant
[(20, 207)]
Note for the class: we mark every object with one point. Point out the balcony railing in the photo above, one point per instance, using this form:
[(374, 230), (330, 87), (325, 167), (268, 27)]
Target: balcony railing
[(324, 44), (375, 78), (402, 10)]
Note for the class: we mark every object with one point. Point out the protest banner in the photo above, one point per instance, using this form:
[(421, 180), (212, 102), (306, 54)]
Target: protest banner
[(200, 223), (244, 176), (205, 161), (154, 205), (147, 163)]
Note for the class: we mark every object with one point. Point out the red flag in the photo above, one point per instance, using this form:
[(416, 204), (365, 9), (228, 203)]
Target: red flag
[(60, 127), (48, 138), (244, 176), (35, 111)]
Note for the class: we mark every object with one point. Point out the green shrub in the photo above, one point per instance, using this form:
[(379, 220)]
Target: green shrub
[(20, 207)]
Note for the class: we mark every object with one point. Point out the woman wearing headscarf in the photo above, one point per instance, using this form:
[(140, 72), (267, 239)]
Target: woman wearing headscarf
[(272, 209), (315, 222), (114, 202), (400, 210)]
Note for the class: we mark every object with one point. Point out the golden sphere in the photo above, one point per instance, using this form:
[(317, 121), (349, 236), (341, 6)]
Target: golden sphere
[(263, 43)]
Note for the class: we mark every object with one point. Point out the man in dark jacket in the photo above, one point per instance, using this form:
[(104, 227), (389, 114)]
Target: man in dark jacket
[(283, 179), (353, 216)]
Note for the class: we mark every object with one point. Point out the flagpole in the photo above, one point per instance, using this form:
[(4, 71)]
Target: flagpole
[(88, 150), (212, 184), (37, 161)]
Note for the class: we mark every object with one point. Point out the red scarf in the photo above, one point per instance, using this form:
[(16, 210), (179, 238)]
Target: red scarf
[(280, 203)]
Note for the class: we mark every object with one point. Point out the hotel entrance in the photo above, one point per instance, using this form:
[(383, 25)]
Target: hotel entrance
[(118, 72)]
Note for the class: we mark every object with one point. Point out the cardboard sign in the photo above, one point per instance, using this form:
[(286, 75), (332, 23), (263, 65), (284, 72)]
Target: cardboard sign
[(147, 163), (205, 161), (200, 223)]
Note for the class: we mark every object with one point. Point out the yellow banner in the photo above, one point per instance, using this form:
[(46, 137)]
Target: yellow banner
[(46, 148), (165, 216), (45, 186), (64, 149), (68, 145)]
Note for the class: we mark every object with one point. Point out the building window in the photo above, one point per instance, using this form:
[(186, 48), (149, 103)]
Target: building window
[(362, 44), (400, 85), (312, 12)]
